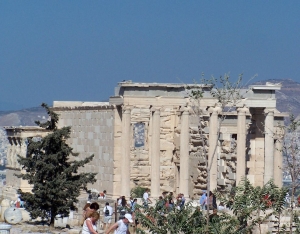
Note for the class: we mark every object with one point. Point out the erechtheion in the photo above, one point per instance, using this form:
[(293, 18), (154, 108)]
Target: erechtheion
[(149, 135)]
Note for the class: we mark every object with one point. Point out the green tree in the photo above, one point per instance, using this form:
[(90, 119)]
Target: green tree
[(291, 153), (160, 220), (250, 206), (228, 96), (54, 176)]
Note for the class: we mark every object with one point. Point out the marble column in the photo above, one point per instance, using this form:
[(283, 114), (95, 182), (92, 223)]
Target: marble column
[(9, 152), (213, 143), (125, 167), (278, 160), (155, 154), (241, 144), (184, 153), (269, 145)]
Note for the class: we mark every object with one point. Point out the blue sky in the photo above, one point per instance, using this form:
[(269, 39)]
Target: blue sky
[(80, 50)]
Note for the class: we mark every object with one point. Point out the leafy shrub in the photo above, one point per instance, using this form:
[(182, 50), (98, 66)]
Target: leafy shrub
[(137, 192)]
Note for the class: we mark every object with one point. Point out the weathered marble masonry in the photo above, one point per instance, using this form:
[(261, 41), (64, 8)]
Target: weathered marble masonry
[(92, 134), (17, 139), (150, 135), (176, 142)]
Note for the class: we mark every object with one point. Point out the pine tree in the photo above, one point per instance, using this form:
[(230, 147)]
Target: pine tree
[(54, 176)]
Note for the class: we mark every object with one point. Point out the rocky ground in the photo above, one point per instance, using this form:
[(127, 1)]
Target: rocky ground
[(26, 228), (38, 229)]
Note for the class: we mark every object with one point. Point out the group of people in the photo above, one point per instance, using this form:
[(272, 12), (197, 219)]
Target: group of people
[(167, 199), (91, 215), (209, 202), (127, 210)]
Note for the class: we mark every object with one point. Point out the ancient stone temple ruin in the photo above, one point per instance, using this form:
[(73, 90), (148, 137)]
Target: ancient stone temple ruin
[(17, 139), (150, 135)]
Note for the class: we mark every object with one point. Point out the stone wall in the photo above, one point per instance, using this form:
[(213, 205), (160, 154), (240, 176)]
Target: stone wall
[(141, 155), (92, 133)]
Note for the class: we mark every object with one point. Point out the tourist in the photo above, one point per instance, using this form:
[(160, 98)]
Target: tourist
[(160, 203), (178, 201), (93, 207), (221, 206), (85, 209), (171, 204), (123, 202), (202, 200), (102, 195), (287, 200), (18, 202), (146, 198), (133, 205), (90, 224), (119, 200), (89, 195), (181, 205), (121, 227), (165, 198), (131, 200), (122, 207), (171, 201), (215, 206), (107, 212), (208, 203), (134, 209)]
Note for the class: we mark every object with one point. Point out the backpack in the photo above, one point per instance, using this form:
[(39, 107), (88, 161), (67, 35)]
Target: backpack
[(106, 211)]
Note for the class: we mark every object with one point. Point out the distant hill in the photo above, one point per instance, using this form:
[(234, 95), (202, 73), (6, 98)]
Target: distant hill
[(288, 98), (25, 117)]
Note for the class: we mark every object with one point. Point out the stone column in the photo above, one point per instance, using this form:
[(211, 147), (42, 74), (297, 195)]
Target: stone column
[(241, 144), (278, 160), (269, 145), (184, 153), (125, 167), (9, 152), (155, 154), (213, 143)]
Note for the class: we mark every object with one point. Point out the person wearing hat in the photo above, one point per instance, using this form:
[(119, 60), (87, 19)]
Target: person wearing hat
[(121, 227)]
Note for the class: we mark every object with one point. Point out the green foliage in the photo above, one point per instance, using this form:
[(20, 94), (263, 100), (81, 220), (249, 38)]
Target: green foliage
[(137, 192), (251, 206), (249, 203), (160, 220), (297, 222), (54, 176)]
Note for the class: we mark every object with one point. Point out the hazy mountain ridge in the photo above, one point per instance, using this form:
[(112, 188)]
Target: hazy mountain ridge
[(288, 98), (24, 117)]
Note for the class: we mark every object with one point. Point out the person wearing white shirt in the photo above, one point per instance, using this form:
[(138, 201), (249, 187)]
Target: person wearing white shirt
[(221, 206), (90, 224), (146, 198), (121, 227), (107, 215)]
